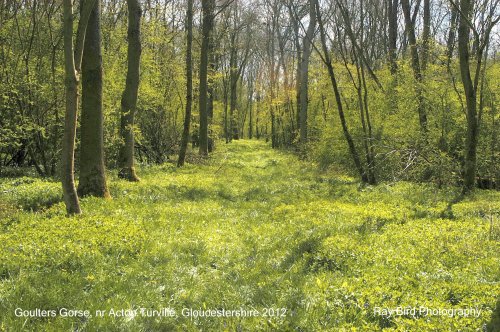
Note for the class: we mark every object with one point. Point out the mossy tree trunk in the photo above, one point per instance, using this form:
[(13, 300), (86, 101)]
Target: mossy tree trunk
[(129, 96), (92, 171)]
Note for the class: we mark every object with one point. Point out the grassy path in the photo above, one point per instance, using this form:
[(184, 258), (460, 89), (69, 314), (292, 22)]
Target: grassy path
[(254, 229)]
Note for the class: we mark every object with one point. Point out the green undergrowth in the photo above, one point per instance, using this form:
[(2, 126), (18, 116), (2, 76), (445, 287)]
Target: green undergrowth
[(251, 228)]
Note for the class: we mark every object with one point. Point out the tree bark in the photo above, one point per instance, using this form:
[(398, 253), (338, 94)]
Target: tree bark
[(207, 9), (129, 96), (304, 72), (450, 43), (331, 73), (470, 97), (415, 64), (72, 61), (92, 171), (189, 84), (296, 39), (250, 120), (233, 84), (210, 81), (426, 33), (68, 144), (393, 34)]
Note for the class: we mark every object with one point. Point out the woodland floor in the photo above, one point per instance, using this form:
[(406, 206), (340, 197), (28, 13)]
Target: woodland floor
[(252, 228)]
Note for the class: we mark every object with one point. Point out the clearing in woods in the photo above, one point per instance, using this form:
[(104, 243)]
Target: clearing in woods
[(251, 229)]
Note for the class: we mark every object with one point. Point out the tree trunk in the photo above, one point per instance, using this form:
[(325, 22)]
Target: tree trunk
[(129, 96), (426, 34), (296, 39), (189, 83), (92, 171), (210, 80), (251, 95), (450, 43), (233, 84), (72, 60), (470, 97), (226, 129), (297, 81), (250, 121), (68, 143), (207, 9), (415, 64), (304, 72), (393, 34), (340, 108)]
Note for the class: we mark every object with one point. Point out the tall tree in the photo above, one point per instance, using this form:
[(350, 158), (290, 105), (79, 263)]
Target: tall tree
[(237, 63), (470, 82), (415, 63), (72, 67), (358, 80), (426, 33), (233, 75), (450, 42), (92, 179), (208, 7), (325, 57), (304, 71), (393, 34), (129, 96), (470, 96), (298, 50), (189, 84)]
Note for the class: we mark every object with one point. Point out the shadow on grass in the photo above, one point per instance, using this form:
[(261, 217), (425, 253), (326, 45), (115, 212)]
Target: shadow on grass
[(447, 213)]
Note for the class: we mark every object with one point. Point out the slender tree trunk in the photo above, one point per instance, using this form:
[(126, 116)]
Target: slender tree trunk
[(271, 53), (304, 72), (92, 171), (72, 61), (226, 127), (371, 154), (129, 96), (257, 132), (393, 65), (210, 80), (450, 44), (250, 120), (470, 97), (296, 39), (415, 63), (426, 34), (297, 85), (233, 84), (189, 84), (340, 108), (68, 143), (251, 97), (207, 9), (393, 34)]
